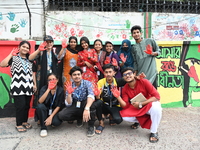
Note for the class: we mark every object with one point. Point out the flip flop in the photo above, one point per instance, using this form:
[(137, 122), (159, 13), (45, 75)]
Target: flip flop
[(100, 128), (27, 125), (154, 135), (20, 129), (135, 125)]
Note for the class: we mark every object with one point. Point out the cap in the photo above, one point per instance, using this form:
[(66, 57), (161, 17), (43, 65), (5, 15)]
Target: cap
[(48, 38)]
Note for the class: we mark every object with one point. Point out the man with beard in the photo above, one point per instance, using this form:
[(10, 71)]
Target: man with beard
[(147, 113), (79, 101)]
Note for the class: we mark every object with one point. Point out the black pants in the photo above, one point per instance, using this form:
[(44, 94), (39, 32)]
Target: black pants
[(74, 113), (43, 113), (22, 105), (114, 111)]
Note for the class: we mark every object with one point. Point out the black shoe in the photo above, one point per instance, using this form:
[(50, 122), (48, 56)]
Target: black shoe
[(91, 131), (79, 123)]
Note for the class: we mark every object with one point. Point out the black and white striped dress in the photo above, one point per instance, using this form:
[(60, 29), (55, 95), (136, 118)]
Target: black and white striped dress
[(22, 76)]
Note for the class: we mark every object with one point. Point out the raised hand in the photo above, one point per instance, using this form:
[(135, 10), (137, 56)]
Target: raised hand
[(69, 87), (114, 62), (122, 57), (15, 51), (107, 61), (141, 76), (96, 91), (64, 43), (52, 84), (115, 91), (42, 46), (148, 49)]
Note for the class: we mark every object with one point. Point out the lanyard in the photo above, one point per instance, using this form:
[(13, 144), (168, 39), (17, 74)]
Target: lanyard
[(24, 64), (54, 96), (49, 59), (77, 95), (99, 56)]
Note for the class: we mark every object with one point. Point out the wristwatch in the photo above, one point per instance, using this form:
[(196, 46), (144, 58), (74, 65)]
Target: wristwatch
[(87, 108), (140, 105)]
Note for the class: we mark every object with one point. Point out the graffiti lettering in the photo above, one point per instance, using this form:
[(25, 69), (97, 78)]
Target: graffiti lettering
[(172, 52), (168, 66), (170, 81)]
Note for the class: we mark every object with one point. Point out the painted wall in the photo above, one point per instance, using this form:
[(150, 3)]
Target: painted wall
[(14, 19), (113, 26), (175, 27), (178, 65), (179, 73)]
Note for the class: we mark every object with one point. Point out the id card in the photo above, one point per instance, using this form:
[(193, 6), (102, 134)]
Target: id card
[(84, 69), (50, 111), (27, 79), (78, 104), (98, 72)]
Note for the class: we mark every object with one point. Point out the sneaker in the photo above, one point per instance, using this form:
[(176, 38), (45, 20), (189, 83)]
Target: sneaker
[(79, 123), (43, 133), (91, 131)]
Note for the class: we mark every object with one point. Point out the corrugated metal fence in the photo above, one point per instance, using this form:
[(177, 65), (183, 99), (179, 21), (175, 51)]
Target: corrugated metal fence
[(168, 6)]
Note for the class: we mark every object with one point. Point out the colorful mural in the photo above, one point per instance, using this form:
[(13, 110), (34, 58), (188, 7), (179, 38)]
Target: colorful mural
[(111, 26), (13, 25), (175, 27), (179, 73)]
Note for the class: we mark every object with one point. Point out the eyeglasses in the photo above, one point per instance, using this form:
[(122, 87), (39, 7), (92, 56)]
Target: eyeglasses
[(127, 74)]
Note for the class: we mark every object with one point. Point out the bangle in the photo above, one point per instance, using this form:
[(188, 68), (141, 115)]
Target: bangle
[(87, 108)]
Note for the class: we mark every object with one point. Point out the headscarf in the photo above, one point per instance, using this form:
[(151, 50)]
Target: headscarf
[(129, 60)]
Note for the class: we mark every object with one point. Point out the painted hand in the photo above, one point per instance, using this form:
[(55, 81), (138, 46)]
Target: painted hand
[(115, 91), (107, 61), (148, 49), (23, 23), (114, 62), (11, 16), (96, 91), (64, 43), (42, 46), (69, 87), (15, 51), (52, 84), (141, 76), (123, 58)]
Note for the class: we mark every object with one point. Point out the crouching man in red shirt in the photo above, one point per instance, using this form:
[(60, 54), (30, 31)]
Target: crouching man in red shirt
[(148, 113)]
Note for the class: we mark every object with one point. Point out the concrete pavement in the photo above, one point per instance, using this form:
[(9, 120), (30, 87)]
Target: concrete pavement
[(179, 130)]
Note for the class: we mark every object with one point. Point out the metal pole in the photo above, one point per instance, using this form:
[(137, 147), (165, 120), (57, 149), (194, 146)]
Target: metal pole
[(29, 19)]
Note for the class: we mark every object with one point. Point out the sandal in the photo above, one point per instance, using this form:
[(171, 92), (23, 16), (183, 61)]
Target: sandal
[(135, 125), (27, 125), (153, 138), (111, 122), (100, 128), (20, 129)]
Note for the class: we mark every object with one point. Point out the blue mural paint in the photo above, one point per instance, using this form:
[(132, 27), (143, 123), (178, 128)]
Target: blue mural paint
[(11, 16)]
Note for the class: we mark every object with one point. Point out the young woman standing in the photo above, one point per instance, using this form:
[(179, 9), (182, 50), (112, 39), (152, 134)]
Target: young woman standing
[(22, 83)]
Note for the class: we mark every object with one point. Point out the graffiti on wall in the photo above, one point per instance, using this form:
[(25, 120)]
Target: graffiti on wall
[(12, 24), (179, 74), (176, 27), (103, 25)]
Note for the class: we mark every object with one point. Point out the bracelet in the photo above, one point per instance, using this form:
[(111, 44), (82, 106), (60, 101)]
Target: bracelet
[(87, 108)]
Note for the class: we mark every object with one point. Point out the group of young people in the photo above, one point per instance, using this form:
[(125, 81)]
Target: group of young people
[(90, 84)]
